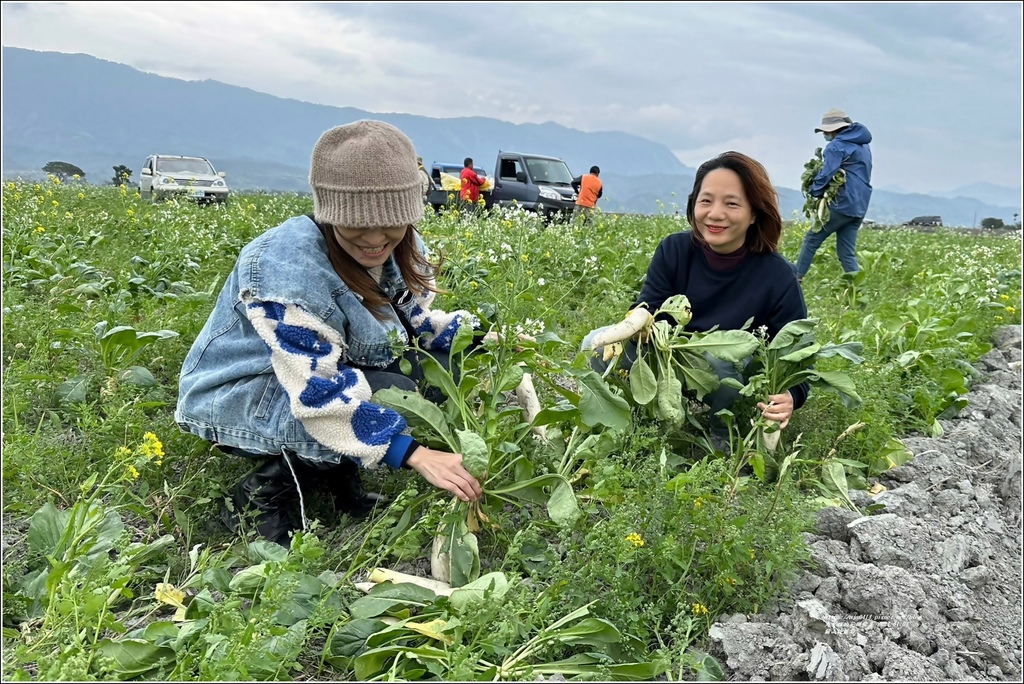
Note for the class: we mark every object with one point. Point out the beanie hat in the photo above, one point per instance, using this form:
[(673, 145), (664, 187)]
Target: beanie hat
[(364, 175)]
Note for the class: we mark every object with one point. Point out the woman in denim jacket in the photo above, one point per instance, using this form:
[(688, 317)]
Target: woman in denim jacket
[(298, 340)]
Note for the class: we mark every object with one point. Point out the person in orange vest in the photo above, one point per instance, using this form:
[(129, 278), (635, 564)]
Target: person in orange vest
[(588, 190), (471, 182)]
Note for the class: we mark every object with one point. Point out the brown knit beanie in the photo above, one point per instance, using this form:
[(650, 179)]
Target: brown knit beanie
[(364, 175)]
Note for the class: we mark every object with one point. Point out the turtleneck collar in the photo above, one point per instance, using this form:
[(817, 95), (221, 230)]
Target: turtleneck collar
[(725, 262)]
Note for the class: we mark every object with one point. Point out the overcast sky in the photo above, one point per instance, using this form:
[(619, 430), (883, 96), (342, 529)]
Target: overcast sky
[(937, 84)]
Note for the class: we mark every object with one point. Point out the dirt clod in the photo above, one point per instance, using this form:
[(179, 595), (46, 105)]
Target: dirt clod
[(928, 590)]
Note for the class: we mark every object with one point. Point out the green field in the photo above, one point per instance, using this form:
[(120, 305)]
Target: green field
[(605, 552)]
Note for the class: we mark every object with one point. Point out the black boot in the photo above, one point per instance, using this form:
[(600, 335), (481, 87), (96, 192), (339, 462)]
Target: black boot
[(269, 490), (346, 487)]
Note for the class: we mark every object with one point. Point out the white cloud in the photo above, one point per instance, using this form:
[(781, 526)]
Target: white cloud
[(697, 77)]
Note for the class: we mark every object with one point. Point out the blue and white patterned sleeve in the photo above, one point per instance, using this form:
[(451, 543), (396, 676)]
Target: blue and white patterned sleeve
[(330, 399), (436, 329)]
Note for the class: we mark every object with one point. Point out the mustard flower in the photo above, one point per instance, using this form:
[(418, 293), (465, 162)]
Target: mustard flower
[(635, 539)]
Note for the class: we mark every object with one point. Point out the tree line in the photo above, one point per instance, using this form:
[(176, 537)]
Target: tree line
[(64, 171)]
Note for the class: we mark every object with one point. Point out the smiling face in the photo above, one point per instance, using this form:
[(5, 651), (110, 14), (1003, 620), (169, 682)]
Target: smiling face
[(723, 214), (370, 247)]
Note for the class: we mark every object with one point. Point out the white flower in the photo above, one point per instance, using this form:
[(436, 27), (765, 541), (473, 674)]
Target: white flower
[(540, 281)]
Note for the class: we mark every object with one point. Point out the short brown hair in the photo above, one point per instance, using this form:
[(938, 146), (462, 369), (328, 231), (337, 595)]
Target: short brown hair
[(766, 231)]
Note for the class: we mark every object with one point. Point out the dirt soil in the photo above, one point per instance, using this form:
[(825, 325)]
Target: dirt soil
[(928, 589)]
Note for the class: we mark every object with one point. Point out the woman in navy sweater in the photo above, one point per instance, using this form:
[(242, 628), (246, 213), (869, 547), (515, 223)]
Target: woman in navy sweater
[(730, 269)]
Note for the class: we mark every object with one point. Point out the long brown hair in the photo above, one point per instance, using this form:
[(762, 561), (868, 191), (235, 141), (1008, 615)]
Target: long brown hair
[(766, 231), (417, 271)]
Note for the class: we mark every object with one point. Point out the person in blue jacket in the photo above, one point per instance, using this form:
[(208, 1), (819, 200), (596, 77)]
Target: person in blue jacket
[(299, 340), (847, 149)]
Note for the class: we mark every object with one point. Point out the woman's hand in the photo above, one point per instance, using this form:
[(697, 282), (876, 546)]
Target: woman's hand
[(444, 470), (779, 408)]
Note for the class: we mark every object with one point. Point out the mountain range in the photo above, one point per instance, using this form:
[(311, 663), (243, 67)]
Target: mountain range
[(97, 114)]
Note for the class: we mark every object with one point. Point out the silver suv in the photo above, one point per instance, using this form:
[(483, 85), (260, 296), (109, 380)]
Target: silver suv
[(164, 176)]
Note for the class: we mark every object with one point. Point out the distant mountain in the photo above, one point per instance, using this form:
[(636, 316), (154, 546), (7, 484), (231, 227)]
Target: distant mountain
[(642, 194), (97, 114), (988, 193)]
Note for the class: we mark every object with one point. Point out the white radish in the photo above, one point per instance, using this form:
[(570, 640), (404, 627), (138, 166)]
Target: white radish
[(635, 321), (526, 394), (385, 575), (440, 566), (771, 439)]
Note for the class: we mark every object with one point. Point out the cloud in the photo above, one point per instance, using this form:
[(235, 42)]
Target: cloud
[(695, 77)]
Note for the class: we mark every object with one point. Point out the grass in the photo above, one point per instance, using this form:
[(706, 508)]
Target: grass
[(663, 547)]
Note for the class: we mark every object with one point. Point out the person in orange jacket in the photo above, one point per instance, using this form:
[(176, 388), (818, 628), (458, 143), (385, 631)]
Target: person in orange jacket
[(588, 190), (471, 182)]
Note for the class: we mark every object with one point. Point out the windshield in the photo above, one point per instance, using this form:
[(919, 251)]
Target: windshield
[(551, 171), (191, 167)]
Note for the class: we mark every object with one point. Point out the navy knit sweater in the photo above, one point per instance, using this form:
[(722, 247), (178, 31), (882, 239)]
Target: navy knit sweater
[(762, 286)]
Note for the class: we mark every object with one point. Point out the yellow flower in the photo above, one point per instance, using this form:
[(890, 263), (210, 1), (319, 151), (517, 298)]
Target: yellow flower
[(11, 186), (251, 207), (131, 212), (508, 224), (1005, 298), (547, 255), (473, 285), (700, 609), (152, 448), (76, 176), (698, 502), (999, 318), (81, 195), (132, 471), (751, 552), (524, 257), (55, 203), (1010, 309), (40, 229), (56, 181), (68, 215), (635, 539), (468, 234), (38, 186), (123, 452)]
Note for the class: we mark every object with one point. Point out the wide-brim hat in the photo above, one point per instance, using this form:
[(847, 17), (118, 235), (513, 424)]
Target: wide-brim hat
[(833, 120)]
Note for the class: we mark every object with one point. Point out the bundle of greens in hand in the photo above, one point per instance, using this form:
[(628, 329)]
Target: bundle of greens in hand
[(787, 361), (816, 210)]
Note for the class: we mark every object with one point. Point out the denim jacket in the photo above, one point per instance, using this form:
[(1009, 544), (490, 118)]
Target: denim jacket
[(272, 369)]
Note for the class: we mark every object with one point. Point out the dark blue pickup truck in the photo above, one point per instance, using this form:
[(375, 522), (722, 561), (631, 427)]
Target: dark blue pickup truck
[(532, 181)]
